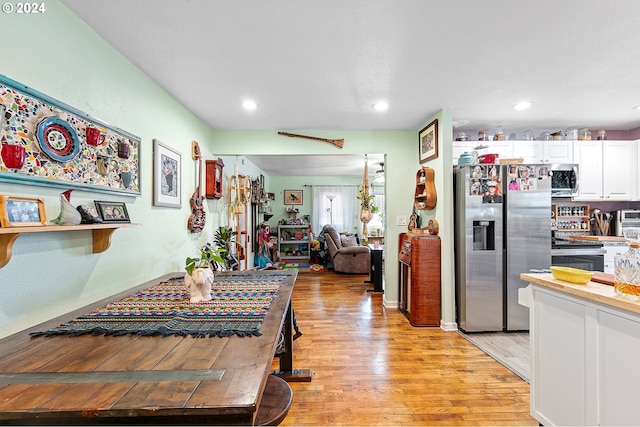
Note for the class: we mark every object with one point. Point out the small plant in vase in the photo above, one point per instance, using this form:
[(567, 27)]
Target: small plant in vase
[(199, 275)]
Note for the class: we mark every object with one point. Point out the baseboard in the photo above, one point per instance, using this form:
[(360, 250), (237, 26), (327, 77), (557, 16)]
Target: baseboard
[(448, 326)]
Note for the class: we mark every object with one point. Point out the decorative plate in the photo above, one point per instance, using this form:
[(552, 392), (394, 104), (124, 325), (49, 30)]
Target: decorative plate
[(58, 139)]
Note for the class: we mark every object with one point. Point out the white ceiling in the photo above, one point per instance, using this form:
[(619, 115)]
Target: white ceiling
[(322, 64)]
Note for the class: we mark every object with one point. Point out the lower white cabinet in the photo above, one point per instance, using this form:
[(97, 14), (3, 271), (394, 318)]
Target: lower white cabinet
[(583, 361)]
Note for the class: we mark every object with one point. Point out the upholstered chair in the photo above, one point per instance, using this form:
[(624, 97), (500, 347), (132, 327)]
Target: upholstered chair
[(347, 255)]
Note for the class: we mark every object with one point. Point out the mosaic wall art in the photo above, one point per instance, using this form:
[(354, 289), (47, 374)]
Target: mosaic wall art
[(45, 142)]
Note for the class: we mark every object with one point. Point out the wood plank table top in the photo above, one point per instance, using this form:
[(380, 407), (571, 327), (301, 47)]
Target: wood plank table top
[(139, 379)]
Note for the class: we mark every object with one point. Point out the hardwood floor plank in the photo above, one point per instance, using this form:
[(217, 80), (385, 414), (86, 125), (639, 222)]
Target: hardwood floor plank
[(371, 367)]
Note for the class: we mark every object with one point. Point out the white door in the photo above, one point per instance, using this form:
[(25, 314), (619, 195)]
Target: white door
[(588, 154), (557, 151), (619, 170)]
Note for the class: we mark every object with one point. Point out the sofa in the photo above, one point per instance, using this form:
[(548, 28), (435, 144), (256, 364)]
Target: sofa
[(347, 255)]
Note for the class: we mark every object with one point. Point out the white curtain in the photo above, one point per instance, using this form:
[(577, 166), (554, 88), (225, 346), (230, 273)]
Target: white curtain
[(343, 212)]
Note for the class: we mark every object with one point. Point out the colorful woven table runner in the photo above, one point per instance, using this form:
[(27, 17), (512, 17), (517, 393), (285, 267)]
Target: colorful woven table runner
[(238, 306)]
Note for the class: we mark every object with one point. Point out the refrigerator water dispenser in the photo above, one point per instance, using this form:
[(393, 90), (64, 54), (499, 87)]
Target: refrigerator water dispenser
[(484, 236)]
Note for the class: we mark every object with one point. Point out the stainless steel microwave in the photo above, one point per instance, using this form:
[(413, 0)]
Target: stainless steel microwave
[(564, 180)]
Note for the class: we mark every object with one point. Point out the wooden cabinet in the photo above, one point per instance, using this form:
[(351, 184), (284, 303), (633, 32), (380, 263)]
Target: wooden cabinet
[(419, 278), (293, 242), (425, 194), (554, 151), (213, 183), (608, 170)]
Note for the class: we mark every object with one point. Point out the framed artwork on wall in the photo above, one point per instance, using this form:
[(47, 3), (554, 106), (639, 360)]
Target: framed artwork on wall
[(292, 197), (167, 168), (428, 142), (51, 144), (21, 212)]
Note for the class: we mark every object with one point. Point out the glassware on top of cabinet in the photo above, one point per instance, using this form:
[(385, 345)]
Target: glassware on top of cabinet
[(584, 134), (627, 272), (483, 135), (528, 135)]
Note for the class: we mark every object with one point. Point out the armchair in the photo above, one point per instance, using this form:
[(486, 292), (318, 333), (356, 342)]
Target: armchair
[(347, 259)]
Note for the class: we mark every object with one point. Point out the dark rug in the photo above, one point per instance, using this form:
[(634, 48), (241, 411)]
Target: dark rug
[(238, 306)]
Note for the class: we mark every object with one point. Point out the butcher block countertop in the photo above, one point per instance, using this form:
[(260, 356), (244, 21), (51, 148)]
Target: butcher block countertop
[(600, 238), (593, 291)]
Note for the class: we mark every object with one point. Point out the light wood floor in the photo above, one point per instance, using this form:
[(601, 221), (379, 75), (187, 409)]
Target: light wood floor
[(371, 367)]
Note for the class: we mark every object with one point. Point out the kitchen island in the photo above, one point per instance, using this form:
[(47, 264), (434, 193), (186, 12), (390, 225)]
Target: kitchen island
[(585, 341)]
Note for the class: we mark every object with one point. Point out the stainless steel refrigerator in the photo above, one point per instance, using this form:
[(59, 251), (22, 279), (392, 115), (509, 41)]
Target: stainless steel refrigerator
[(502, 228)]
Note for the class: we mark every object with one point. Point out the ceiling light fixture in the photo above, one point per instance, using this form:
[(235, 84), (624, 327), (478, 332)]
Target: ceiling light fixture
[(522, 105), (380, 174), (637, 107), (381, 106), (249, 105)]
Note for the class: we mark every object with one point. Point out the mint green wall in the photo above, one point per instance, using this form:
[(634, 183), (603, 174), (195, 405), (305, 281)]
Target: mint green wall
[(280, 183), (52, 273), (401, 164), (443, 213)]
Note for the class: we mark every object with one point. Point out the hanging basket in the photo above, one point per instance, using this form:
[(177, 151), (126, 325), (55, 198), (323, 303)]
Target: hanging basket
[(365, 215)]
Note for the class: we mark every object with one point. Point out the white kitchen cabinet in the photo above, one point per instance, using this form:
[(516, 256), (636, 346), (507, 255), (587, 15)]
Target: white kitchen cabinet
[(461, 147), (504, 149), (583, 353), (608, 170), (554, 151)]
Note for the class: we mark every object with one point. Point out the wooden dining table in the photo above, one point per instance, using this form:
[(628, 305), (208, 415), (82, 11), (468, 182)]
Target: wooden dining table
[(132, 379)]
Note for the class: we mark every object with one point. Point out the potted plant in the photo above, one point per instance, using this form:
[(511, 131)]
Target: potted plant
[(225, 238), (199, 275), (367, 208)]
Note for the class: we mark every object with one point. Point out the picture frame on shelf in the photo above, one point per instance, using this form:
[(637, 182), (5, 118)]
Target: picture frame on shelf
[(21, 212), (167, 172), (428, 142), (293, 197), (112, 211)]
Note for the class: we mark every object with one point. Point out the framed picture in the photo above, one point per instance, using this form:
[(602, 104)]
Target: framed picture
[(292, 197), (167, 168), (112, 211), (428, 142), (21, 211)]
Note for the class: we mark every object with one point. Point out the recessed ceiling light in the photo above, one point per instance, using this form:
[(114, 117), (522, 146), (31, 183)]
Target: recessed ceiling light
[(381, 106), (249, 104), (522, 105), (637, 107)]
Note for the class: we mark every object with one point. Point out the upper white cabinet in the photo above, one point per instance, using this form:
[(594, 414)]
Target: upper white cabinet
[(504, 149), (554, 151), (608, 170)]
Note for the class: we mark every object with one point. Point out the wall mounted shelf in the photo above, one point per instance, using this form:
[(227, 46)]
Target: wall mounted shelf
[(101, 236)]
